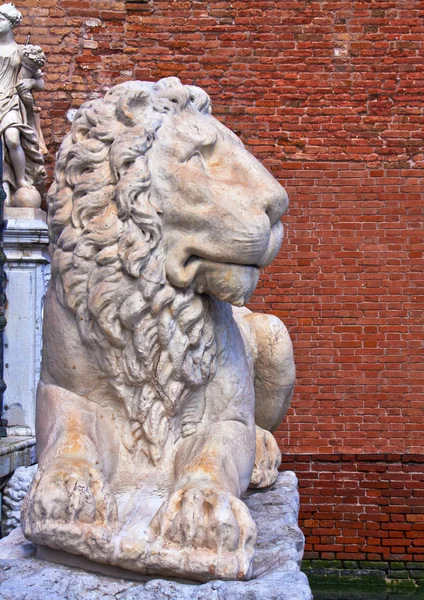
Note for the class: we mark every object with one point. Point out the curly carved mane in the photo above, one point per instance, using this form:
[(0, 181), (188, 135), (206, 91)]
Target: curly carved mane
[(155, 342)]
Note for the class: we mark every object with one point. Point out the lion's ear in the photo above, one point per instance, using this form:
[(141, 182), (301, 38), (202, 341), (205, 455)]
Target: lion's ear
[(126, 108)]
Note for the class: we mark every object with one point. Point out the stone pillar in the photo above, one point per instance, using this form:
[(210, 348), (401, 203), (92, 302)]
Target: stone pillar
[(28, 270)]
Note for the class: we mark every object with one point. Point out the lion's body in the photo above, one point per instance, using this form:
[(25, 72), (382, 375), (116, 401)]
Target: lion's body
[(146, 405)]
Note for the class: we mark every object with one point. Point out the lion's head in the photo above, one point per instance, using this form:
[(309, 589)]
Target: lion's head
[(155, 206)]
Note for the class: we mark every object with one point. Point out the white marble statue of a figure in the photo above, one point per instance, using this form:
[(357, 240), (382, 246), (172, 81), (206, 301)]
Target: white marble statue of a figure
[(158, 389), (23, 141)]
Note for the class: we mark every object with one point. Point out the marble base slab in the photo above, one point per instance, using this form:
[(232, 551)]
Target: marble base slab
[(277, 564), (27, 214)]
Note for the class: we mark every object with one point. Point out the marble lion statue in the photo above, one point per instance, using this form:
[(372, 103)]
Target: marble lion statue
[(158, 389)]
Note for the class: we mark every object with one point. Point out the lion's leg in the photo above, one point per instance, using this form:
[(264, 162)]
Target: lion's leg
[(204, 513), (274, 368), (267, 460), (69, 487), (274, 381)]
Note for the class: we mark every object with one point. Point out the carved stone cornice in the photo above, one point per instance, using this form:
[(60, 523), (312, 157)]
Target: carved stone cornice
[(26, 231)]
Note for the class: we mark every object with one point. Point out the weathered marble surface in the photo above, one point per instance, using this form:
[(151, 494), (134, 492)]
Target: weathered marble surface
[(157, 397), (279, 551)]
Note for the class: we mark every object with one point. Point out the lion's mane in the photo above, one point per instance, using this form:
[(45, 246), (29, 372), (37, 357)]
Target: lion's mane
[(154, 342)]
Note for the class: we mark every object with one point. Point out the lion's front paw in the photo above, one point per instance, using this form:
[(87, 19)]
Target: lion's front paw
[(205, 518), (267, 460), (66, 491)]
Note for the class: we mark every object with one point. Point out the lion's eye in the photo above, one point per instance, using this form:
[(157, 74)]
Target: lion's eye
[(196, 159)]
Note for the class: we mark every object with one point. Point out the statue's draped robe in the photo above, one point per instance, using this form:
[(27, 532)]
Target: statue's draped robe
[(12, 107)]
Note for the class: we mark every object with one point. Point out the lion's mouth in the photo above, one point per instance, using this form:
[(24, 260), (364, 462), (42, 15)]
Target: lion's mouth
[(232, 282), (276, 234), (226, 281), (274, 244)]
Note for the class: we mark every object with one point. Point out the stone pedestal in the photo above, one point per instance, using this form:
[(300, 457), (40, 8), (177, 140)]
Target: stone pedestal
[(28, 269), (277, 574), (12, 496)]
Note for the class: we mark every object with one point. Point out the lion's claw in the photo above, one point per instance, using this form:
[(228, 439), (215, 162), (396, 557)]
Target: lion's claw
[(204, 518), (267, 460), (66, 491)]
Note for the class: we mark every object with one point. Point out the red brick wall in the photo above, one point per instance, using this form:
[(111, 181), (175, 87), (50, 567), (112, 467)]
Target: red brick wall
[(361, 507), (329, 95), (347, 284)]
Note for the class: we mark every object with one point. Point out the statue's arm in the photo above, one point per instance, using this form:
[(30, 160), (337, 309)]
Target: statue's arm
[(30, 84), (38, 84)]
